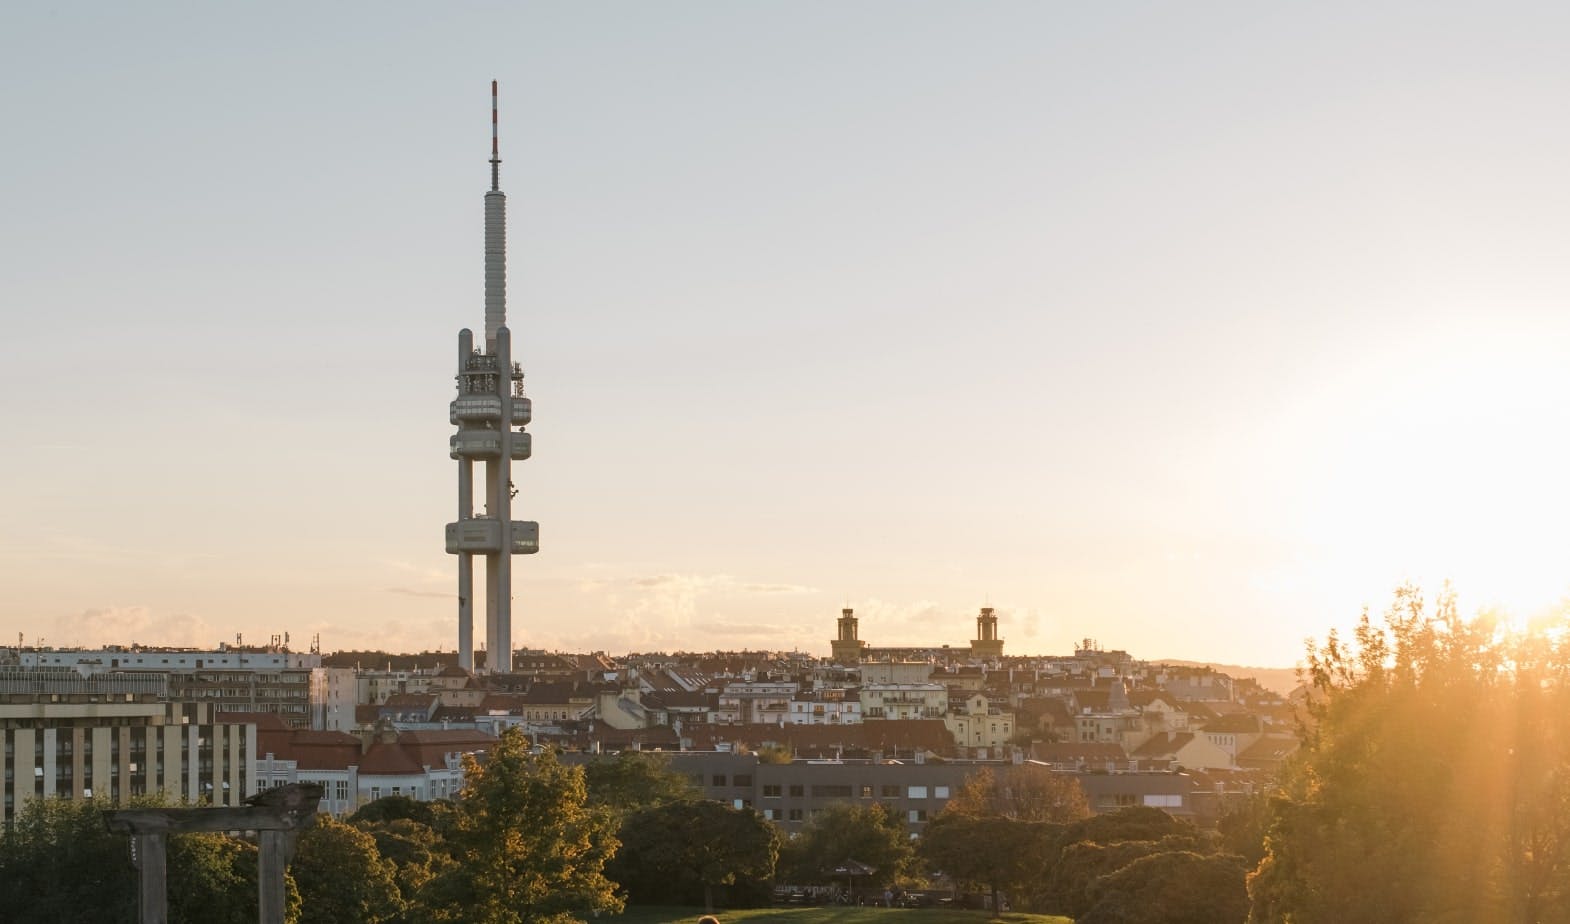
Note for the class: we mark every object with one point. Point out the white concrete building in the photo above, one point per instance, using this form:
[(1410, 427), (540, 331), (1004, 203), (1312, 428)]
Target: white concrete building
[(117, 736), (904, 701)]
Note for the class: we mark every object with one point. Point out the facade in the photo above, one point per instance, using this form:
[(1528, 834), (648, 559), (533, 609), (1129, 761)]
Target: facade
[(489, 405), (896, 672), (904, 701), (790, 794), (117, 736), (293, 685), (978, 726), (755, 703), (360, 768), (829, 707)]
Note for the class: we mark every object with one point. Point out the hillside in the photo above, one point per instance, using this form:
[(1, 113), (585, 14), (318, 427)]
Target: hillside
[(1282, 680)]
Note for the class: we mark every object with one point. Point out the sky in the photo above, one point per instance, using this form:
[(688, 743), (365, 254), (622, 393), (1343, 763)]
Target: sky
[(1190, 329)]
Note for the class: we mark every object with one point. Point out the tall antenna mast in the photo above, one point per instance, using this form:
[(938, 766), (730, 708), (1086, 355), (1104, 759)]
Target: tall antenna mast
[(496, 157), (495, 241)]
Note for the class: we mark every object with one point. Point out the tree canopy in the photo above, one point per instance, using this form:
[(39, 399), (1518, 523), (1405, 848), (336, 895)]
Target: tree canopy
[(1434, 779), (680, 852), (634, 780), (342, 876), (528, 847), (869, 834), (1022, 792)]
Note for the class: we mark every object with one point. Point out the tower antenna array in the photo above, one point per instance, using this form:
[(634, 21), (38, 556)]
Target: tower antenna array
[(490, 404)]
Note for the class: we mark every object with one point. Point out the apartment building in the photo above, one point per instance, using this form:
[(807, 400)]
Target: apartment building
[(117, 736)]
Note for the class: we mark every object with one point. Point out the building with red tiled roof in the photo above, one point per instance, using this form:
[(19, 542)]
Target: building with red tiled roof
[(361, 768), (1077, 755), (891, 738)]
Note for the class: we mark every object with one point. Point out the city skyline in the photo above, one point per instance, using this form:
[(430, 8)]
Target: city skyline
[(1192, 331)]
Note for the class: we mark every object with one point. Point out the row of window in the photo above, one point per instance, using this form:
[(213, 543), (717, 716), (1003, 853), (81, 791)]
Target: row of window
[(843, 791), (915, 816)]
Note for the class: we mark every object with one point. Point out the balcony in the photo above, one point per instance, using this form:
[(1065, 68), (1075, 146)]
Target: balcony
[(475, 407), (475, 444), (483, 535), (488, 408), (487, 444)]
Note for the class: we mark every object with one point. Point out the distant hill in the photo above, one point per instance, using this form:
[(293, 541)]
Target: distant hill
[(1282, 680)]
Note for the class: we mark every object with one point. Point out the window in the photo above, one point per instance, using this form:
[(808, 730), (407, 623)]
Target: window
[(719, 779), (940, 792), (918, 814), (771, 791), (866, 792), (742, 779), (795, 814), (918, 792), (771, 814), (1164, 800), (341, 790), (376, 793), (797, 791), (889, 791)]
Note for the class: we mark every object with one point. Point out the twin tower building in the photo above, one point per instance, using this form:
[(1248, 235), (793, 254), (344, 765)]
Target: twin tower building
[(490, 413)]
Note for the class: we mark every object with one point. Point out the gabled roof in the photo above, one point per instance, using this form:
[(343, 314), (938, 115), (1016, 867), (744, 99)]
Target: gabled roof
[(1166, 744), (1268, 751), (311, 750), (1094, 700), (1073, 752), (410, 752), (1236, 724)]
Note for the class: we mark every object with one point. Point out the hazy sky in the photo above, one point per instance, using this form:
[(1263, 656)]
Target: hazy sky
[(1192, 328)]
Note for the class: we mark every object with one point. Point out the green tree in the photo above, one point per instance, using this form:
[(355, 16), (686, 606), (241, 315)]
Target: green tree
[(870, 834), (633, 780), (1102, 844), (1171, 887), (527, 846), (680, 852), (1434, 778), (59, 863), (416, 851), (1023, 792), (392, 808), (999, 854), (212, 879), (342, 877), (1066, 887)]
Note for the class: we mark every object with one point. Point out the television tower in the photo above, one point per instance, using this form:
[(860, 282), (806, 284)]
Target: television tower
[(489, 405)]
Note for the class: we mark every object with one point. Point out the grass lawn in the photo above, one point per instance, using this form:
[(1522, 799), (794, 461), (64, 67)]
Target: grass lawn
[(829, 914)]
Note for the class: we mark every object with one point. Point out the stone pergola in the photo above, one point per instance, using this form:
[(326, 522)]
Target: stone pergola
[(276, 815)]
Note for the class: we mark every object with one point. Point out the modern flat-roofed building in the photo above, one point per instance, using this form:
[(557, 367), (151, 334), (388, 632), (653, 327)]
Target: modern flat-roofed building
[(791, 793), (118, 736), (292, 684)]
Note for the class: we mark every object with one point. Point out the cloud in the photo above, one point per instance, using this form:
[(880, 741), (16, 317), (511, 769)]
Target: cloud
[(777, 589), (120, 625), (408, 592), (735, 628)]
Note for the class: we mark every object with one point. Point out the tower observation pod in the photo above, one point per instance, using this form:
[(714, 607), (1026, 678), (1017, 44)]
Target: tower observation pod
[(490, 413)]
